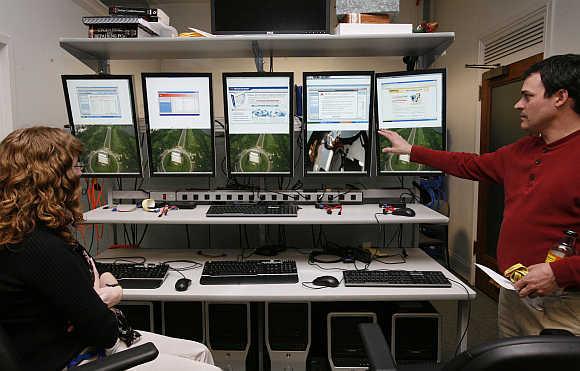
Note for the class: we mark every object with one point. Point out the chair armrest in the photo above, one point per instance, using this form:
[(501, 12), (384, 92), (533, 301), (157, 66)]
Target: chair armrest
[(123, 360), (376, 347)]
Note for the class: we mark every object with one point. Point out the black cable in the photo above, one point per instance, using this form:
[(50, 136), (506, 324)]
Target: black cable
[(468, 314), (187, 236), (143, 235)]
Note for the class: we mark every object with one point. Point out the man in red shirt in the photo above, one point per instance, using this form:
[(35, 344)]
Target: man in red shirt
[(541, 180)]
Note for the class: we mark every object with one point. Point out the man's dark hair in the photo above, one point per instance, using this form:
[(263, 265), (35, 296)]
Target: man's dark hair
[(560, 72)]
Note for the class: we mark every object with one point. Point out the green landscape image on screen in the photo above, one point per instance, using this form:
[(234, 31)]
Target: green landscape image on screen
[(260, 153), (181, 150), (109, 149), (426, 137)]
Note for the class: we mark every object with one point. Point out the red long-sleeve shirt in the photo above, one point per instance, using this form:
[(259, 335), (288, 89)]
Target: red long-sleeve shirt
[(542, 196)]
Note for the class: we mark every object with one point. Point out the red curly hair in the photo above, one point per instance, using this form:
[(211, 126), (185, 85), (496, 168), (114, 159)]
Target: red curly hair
[(38, 183)]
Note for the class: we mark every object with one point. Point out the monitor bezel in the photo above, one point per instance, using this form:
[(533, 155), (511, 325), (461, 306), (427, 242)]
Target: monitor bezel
[(304, 133), (144, 77), (443, 72), (326, 30), (290, 75), (129, 78)]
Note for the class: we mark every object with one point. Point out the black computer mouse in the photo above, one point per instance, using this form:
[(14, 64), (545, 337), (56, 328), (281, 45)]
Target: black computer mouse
[(328, 281), (404, 211), (182, 284)]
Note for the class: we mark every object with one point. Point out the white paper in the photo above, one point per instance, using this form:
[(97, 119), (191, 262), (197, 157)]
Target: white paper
[(498, 278)]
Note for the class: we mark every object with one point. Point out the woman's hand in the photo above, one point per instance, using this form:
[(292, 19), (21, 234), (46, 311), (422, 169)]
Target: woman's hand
[(110, 295), (107, 287)]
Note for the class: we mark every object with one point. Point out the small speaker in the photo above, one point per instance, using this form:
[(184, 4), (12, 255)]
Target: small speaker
[(183, 320), (139, 314), (288, 335), (345, 347), (228, 334), (416, 333)]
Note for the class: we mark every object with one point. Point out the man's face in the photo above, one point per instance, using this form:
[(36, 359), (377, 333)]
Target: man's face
[(536, 111)]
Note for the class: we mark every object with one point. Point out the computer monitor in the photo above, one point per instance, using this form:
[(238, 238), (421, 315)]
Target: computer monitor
[(101, 114), (259, 121), (261, 17), (179, 118), (412, 103), (337, 117)]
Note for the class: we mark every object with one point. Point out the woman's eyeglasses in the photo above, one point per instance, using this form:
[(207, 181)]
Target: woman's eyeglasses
[(80, 166)]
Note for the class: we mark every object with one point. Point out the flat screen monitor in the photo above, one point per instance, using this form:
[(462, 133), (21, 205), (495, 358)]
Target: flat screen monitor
[(260, 17), (337, 117), (101, 114), (259, 120), (179, 118), (412, 103)]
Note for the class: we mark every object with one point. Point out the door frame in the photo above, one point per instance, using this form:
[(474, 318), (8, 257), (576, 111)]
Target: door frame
[(494, 78), (6, 87)]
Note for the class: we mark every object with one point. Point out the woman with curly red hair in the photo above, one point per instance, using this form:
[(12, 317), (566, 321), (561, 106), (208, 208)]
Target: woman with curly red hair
[(55, 305)]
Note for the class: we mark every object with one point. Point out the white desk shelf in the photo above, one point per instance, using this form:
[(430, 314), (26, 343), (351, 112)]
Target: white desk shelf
[(97, 52), (308, 214)]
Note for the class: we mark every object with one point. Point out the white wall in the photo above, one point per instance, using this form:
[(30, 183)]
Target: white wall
[(471, 21), (563, 33), (34, 28)]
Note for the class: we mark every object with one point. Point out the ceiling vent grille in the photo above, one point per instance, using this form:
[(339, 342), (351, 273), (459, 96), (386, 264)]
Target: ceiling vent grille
[(526, 32)]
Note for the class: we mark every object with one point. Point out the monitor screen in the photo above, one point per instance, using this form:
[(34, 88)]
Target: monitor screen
[(101, 114), (280, 16), (258, 113), (179, 118), (337, 110), (412, 104)]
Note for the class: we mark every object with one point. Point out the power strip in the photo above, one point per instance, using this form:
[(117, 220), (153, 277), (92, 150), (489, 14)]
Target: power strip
[(295, 196)]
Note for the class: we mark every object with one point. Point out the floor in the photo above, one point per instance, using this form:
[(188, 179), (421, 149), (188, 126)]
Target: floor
[(482, 324)]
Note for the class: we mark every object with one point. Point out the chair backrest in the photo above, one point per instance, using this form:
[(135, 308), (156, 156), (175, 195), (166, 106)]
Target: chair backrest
[(528, 353), (8, 360)]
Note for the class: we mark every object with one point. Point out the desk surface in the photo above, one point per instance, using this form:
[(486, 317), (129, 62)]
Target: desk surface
[(416, 260), (308, 214)]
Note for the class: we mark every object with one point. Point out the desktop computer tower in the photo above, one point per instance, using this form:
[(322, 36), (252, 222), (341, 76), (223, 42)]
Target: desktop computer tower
[(416, 333), (183, 320), (288, 335), (345, 347), (139, 314), (228, 334)]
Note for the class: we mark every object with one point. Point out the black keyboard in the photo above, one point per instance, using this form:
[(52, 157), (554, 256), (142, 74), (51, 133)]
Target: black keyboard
[(249, 271), (396, 278), (252, 210), (136, 276)]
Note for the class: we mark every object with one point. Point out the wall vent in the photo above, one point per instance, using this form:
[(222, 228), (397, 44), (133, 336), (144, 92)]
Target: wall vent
[(523, 33)]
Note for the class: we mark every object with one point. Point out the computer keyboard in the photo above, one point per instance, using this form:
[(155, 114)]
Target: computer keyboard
[(251, 210), (395, 278), (248, 272), (136, 276)]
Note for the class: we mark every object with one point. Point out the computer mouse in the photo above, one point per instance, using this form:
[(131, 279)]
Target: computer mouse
[(182, 284), (404, 211), (328, 281)]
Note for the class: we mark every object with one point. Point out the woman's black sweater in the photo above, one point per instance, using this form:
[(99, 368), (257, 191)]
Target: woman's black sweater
[(46, 285)]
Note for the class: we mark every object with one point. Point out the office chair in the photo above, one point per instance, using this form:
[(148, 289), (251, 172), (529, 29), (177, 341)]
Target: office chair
[(529, 353), (115, 362)]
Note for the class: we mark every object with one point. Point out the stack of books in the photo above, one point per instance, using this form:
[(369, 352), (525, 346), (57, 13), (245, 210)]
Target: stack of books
[(129, 22)]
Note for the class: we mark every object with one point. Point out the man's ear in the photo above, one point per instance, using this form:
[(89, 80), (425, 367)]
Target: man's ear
[(562, 98)]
